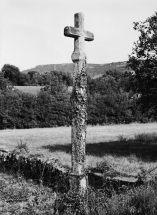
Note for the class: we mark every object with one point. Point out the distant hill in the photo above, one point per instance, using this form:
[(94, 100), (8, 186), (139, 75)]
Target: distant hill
[(93, 70)]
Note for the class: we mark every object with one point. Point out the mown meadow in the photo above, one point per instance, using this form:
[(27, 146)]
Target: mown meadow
[(124, 150), (116, 144)]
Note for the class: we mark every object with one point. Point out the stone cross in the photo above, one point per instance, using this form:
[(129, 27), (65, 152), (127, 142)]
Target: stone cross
[(78, 178)]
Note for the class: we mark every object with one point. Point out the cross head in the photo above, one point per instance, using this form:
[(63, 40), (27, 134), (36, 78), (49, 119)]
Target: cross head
[(80, 35)]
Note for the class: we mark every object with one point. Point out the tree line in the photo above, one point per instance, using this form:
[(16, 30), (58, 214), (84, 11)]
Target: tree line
[(33, 78), (110, 100), (113, 98)]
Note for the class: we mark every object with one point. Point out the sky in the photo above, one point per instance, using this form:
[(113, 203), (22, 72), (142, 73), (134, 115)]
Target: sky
[(31, 31)]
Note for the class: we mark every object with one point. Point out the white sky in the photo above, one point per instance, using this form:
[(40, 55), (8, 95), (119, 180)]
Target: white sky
[(31, 31)]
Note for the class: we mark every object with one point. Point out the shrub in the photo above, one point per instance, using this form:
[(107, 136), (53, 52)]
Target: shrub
[(146, 138)]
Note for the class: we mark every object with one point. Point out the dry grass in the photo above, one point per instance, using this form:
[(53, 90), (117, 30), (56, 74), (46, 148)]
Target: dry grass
[(103, 145), (19, 197), (127, 149), (29, 89)]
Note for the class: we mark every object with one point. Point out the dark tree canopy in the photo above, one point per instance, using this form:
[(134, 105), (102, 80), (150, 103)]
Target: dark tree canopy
[(3, 82), (13, 74), (143, 62)]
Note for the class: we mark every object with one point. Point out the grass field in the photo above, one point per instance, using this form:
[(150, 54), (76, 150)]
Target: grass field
[(29, 89), (114, 145), (127, 149)]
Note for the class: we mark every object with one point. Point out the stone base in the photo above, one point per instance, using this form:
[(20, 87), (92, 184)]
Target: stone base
[(78, 183)]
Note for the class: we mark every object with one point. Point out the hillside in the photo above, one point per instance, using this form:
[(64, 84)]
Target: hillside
[(93, 70)]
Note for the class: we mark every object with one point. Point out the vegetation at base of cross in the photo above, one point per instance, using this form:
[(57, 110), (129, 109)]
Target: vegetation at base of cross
[(141, 200), (116, 97), (20, 196)]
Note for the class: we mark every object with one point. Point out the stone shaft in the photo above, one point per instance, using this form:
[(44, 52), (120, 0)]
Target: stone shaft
[(79, 117), (78, 179), (79, 41)]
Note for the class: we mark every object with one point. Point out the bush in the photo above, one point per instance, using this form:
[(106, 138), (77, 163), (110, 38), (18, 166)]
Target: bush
[(146, 138)]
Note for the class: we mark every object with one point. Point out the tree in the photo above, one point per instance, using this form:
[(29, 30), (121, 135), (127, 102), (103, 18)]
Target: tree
[(13, 74), (3, 82), (34, 78), (143, 62), (5, 85)]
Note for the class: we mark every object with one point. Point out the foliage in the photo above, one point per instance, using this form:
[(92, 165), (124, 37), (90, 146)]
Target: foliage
[(13, 74), (35, 167), (70, 203), (111, 100), (34, 78), (146, 138), (141, 200), (121, 138), (53, 107), (22, 146), (3, 82), (143, 62), (24, 197), (18, 196)]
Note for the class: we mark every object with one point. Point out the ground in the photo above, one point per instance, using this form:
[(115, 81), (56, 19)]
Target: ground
[(105, 144), (123, 149), (20, 197)]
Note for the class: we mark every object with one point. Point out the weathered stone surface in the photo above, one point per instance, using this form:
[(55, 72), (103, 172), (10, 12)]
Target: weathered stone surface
[(126, 179), (80, 35), (75, 32), (78, 101), (78, 180), (98, 181)]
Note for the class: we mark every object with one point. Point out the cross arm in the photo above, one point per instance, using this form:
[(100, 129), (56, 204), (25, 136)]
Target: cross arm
[(71, 32), (75, 33), (89, 36)]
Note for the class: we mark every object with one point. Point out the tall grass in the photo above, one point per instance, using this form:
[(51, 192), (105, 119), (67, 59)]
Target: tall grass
[(126, 147), (135, 201), (146, 138), (18, 196)]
